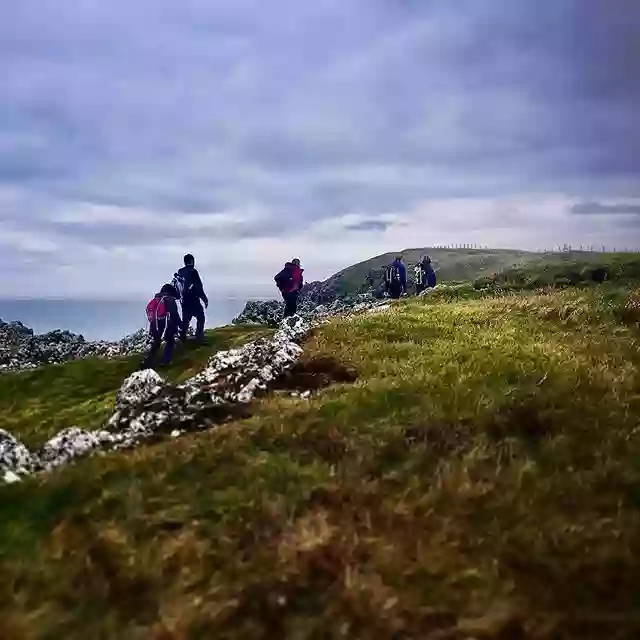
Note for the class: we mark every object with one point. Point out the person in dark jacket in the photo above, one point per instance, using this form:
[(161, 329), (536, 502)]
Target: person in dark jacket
[(426, 275), (429, 272), (164, 323), (290, 281), (191, 295), (396, 278)]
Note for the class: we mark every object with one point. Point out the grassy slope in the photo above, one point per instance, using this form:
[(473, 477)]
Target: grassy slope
[(482, 472), (467, 264), (36, 404)]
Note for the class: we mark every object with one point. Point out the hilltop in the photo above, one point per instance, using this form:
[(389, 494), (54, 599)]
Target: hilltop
[(459, 465), (460, 265)]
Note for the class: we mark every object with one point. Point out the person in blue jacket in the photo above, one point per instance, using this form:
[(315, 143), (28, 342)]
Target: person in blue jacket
[(189, 284), (396, 278)]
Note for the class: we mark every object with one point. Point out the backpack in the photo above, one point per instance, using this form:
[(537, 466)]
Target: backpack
[(180, 284), (393, 273), (283, 278), (157, 311)]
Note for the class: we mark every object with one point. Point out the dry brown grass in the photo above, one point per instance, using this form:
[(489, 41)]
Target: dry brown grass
[(479, 479)]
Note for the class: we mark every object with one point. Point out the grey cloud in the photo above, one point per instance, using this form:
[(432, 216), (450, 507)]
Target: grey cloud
[(310, 110), (369, 225), (620, 208)]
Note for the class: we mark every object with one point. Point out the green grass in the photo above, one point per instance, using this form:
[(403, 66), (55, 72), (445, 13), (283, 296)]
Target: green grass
[(511, 266), (480, 479), (568, 271), (36, 404)]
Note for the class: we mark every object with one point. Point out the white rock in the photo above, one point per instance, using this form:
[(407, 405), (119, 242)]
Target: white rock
[(146, 404), (14, 456), (9, 477), (68, 444)]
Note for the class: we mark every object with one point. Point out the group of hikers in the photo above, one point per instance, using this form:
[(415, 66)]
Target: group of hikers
[(164, 318), (395, 277), (166, 323)]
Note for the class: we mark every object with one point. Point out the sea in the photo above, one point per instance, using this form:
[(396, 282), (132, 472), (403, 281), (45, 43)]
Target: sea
[(101, 319)]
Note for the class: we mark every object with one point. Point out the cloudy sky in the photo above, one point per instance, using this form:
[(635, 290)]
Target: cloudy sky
[(250, 131)]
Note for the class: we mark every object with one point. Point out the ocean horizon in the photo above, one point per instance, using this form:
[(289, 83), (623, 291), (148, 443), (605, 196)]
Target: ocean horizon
[(103, 319)]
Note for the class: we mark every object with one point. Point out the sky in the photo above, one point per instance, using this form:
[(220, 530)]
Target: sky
[(249, 132)]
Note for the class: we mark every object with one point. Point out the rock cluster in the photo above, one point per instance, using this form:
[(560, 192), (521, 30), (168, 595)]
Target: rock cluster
[(270, 312), (148, 406), (21, 348)]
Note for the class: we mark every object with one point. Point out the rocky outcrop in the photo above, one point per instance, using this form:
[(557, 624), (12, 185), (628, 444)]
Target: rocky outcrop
[(270, 312), (265, 312), (21, 348), (148, 406)]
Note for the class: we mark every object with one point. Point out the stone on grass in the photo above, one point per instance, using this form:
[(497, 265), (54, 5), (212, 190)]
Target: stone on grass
[(14, 456)]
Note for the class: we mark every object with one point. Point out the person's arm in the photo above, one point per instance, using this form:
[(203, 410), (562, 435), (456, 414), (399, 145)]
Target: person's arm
[(403, 277), (200, 288)]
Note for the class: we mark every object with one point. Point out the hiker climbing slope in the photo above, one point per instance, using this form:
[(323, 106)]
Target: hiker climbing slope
[(189, 285), (290, 281), (164, 324)]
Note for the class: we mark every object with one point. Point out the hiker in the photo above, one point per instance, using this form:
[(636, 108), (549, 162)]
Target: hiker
[(425, 275), (429, 278), (189, 285), (164, 323), (395, 278), (418, 278), (290, 281)]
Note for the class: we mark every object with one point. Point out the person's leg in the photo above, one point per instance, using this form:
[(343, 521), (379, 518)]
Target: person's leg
[(187, 315), (169, 342), (294, 303), (287, 304), (153, 349), (199, 314)]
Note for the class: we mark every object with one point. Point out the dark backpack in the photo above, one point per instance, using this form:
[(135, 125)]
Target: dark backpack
[(284, 278)]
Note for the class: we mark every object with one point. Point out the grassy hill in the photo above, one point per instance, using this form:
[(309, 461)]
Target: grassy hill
[(459, 265), (479, 479)]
